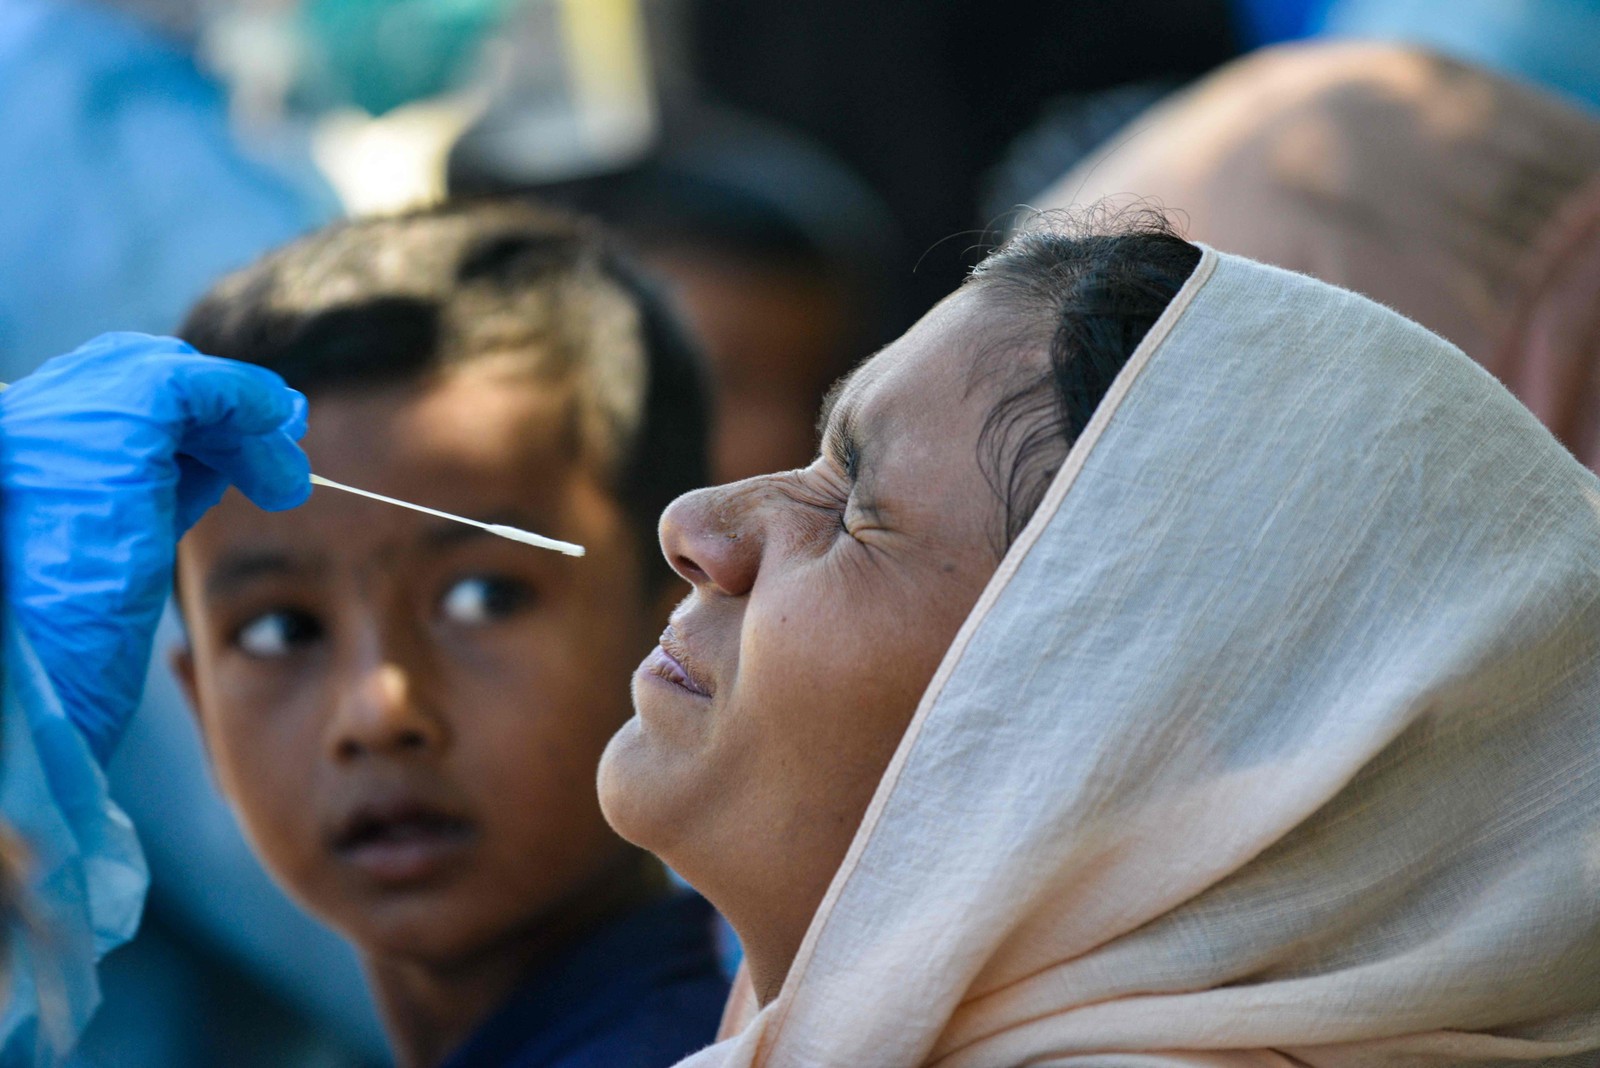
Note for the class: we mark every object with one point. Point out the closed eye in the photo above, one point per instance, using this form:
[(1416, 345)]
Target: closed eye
[(843, 450), (822, 497)]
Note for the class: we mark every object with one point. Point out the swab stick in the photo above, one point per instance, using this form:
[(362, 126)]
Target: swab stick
[(524, 536)]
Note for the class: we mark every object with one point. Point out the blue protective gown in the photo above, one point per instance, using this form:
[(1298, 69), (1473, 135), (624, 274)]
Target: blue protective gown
[(125, 191), (87, 877)]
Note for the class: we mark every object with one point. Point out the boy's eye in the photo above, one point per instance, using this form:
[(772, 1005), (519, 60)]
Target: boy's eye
[(483, 599), (277, 634)]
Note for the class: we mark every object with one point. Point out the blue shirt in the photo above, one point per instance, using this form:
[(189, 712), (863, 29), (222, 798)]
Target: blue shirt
[(643, 992)]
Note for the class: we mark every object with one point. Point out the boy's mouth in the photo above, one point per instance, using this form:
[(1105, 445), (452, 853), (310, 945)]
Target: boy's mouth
[(402, 842)]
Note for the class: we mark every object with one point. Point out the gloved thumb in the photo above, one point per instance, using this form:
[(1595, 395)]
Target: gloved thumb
[(266, 465)]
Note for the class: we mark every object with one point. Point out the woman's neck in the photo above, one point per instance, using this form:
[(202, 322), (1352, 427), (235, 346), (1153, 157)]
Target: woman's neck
[(768, 967), (431, 1007), (770, 937)]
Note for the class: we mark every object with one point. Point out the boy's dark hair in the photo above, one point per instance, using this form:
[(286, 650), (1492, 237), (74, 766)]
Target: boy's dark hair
[(384, 301), (1089, 289)]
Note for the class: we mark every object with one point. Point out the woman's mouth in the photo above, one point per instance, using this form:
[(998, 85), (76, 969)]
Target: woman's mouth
[(670, 661)]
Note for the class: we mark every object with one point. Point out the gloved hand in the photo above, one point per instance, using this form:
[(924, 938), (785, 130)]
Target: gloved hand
[(110, 454)]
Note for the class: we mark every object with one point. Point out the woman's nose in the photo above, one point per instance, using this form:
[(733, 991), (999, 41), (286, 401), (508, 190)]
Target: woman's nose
[(379, 711), (712, 538)]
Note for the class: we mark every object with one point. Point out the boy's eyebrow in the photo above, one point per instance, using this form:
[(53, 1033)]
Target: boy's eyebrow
[(240, 569)]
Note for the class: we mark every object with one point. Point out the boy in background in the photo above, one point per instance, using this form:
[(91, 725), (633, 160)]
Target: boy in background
[(406, 713)]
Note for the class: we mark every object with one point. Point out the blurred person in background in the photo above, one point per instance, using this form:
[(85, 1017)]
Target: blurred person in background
[(923, 97), (407, 714), (126, 190), (814, 167), (782, 261), (1466, 201)]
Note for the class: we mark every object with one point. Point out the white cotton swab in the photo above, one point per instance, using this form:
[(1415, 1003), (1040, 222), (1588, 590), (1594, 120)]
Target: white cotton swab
[(500, 529)]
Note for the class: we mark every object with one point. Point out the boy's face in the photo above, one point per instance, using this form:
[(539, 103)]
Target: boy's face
[(407, 713)]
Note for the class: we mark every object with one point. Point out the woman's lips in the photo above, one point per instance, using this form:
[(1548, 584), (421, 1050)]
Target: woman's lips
[(670, 661), (402, 842)]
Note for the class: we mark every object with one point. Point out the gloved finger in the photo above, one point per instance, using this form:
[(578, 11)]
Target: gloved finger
[(110, 355), (269, 468), (119, 411), (199, 489), (299, 420), (223, 398)]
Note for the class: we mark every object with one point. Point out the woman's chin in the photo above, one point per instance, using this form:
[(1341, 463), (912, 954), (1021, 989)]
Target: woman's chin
[(617, 783), (637, 790)]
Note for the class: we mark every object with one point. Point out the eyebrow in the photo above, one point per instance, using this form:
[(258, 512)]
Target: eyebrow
[(239, 570), (831, 400), (843, 444)]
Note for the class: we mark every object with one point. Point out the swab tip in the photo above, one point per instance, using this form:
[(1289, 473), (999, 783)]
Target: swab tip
[(536, 540)]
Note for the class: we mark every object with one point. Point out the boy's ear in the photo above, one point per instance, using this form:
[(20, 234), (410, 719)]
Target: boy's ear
[(181, 661)]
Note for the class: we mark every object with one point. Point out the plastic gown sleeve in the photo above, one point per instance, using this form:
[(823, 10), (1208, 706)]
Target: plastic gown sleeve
[(87, 877)]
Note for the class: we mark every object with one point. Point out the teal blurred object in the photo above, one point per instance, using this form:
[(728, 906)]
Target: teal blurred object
[(1552, 43), (380, 54)]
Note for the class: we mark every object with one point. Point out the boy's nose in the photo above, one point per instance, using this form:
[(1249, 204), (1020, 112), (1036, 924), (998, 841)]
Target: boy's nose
[(381, 714), (712, 537)]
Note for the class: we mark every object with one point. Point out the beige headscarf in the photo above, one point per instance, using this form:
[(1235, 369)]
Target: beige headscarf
[(1465, 201), (1275, 740)]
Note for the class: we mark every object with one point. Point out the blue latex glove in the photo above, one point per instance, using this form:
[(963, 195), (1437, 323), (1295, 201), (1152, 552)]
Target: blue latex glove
[(110, 454)]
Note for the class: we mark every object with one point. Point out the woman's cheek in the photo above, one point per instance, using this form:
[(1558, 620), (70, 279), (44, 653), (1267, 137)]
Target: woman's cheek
[(810, 641)]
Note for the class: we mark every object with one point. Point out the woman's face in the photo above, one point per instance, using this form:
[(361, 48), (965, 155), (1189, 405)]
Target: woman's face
[(823, 600)]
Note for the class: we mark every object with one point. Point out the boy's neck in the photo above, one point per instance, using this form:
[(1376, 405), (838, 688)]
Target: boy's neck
[(430, 1008)]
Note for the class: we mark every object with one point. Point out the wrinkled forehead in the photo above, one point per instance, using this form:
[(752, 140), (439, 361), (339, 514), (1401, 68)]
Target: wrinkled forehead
[(930, 374)]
